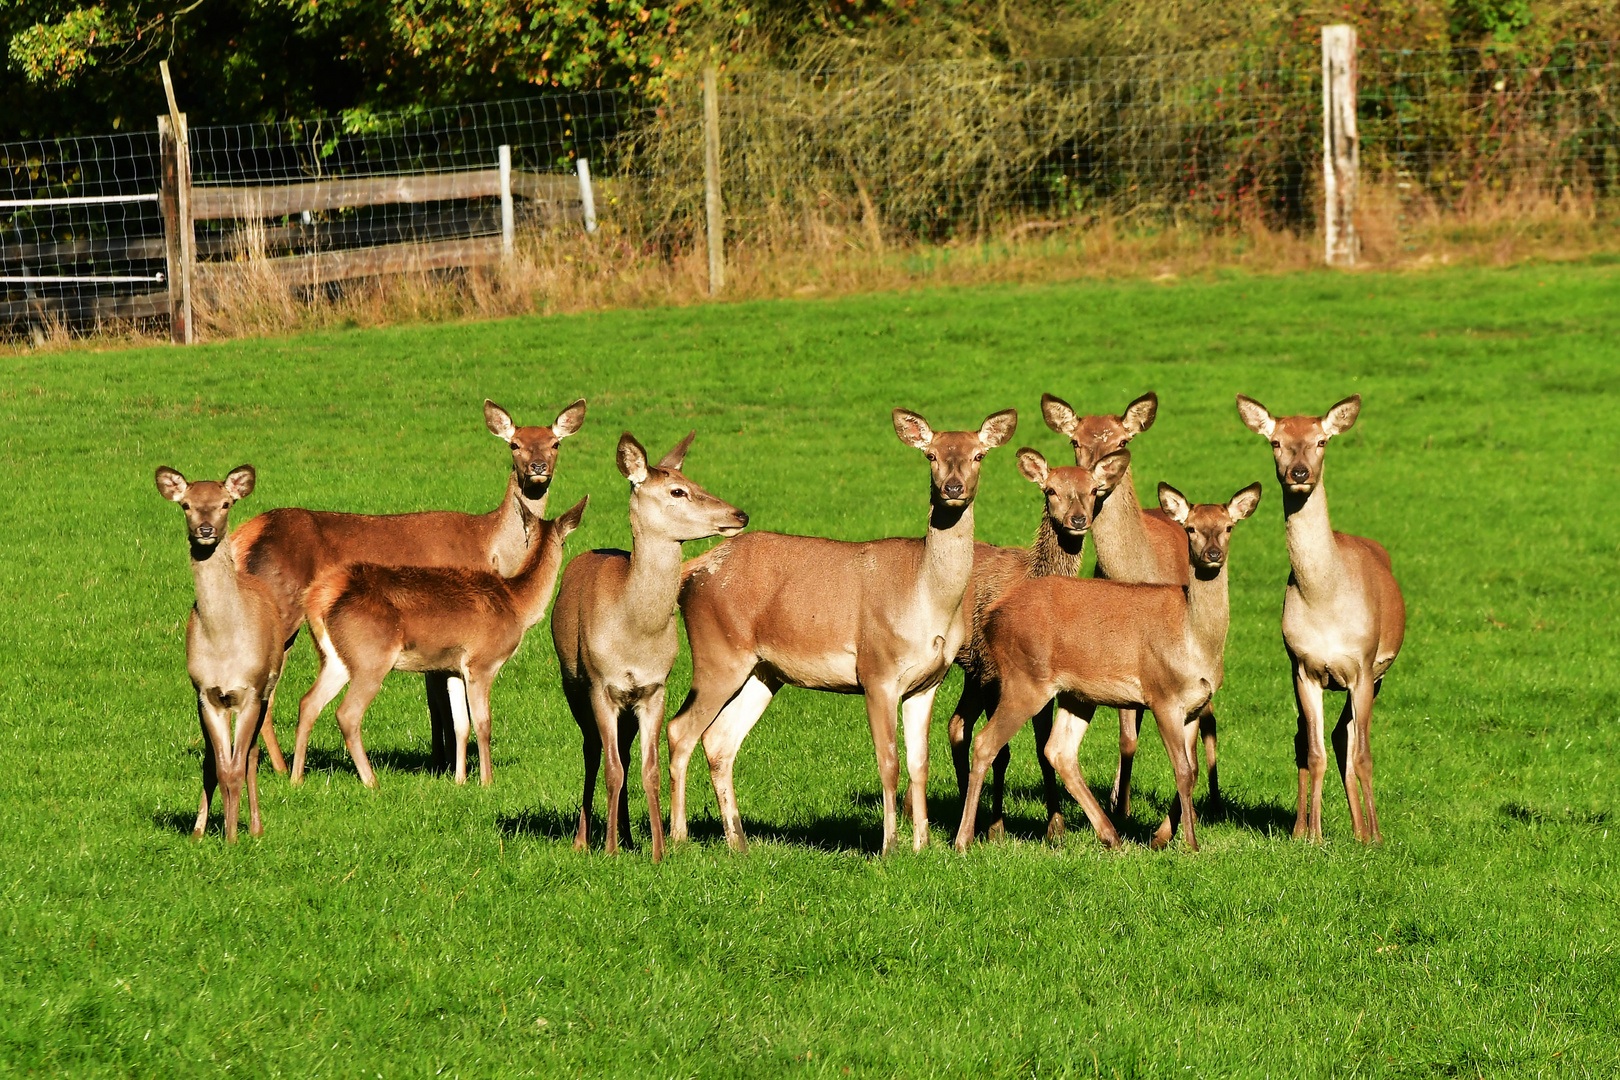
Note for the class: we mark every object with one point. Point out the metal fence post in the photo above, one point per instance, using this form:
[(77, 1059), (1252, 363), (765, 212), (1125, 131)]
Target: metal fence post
[(1341, 158), (508, 227), (587, 199), (711, 180)]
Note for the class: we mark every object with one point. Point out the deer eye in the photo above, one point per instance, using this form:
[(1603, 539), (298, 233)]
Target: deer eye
[(1321, 442), (555, 445), (978, 457), (1229, 528), (513, 445), (1275, 445), (933, 457), (185, 506), (679, 493)]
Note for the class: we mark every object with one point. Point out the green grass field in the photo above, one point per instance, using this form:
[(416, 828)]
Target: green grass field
[(423, 929)]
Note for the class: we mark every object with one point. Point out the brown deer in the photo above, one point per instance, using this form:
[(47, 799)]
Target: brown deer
[(614, 630), (288, 547), (233, 645), (1132, 545), (368, 620), (1343, 615), (881, 618), (1090, 642), (1071, 496)]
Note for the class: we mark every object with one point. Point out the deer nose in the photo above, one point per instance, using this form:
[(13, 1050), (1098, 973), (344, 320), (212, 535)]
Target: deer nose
[(742, 518), (537, 468), (1077, 521), (953, 489), (205, 530), (1299, 474)]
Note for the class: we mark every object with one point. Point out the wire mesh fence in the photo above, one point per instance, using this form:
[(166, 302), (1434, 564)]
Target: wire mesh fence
[(871, 156)]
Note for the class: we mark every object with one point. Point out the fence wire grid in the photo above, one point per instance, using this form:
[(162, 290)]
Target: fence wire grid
[(871, 155)]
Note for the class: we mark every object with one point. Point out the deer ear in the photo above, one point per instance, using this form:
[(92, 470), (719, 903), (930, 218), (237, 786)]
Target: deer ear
[(569, 420), (1033, 465), (1058, 415), (570, 518), (1111, 470), (170, 484), (1243, 503), (632, 459), (1255, 417), (499, 421), (1174, 503), (912, 429), (677, 453), (998, 428), (1139, 414), (240, 482), (1342, 417)]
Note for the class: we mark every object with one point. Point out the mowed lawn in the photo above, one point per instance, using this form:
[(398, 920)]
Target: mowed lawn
[(425, 929)]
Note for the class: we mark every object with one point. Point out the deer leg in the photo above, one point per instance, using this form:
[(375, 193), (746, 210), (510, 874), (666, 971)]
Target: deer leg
[(969, 707), (1178, 744), (267, 732), (253, 730), (607, 730), (722, 741), (711, 691), (628, 726), (1365, 696), (579, 703), (1130, 727), (915, 714), (1063, 754), (476, 689), (1344, 748), (330, 679), (216, 721), (1206, 728), (436, 686), (352, 711), (1310, 751), (650, 715), (210, 772), (1013, 710), (881, 702), (1042, 724)]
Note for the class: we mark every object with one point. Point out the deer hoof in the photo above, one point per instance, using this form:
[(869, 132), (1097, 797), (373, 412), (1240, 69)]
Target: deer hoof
[(997, 832), (1055, 830)]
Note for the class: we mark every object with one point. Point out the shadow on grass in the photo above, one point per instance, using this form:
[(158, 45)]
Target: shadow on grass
[(321, 759), (181, 822)]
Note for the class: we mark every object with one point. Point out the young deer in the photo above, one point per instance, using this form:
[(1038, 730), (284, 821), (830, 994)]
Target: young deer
[(614, 629), (368, 620), (290, 546), (233, 645), (883, 619), (1343, 615), (1133, 545), (1090, 642), (1071, 495)]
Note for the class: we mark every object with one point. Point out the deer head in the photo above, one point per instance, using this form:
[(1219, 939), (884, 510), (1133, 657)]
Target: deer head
[(954, 457), (1208, 525), (206, 503), (1299, 443), (1095, 437), (534, 449), (1072, 491), (663, 499)]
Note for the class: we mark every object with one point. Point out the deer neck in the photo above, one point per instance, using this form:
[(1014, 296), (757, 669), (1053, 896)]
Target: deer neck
[(1124, 552), (947, 555), (1209, 611), (518, 521), (1312, 551), (1054, 554), (220, 608), (531, 587), (652, 586)]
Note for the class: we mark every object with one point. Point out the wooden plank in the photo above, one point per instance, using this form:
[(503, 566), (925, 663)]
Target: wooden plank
[(273, 201), (1341, 158), (303, 270), (711, 181), (138, 306)]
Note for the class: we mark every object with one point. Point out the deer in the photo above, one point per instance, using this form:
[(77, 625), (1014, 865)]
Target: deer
[(614, 630), (233, 645), (1087, 642), (289, 547), (880, 618), (1133, 545), (368, 619), (1071, 494), (1343, 619)]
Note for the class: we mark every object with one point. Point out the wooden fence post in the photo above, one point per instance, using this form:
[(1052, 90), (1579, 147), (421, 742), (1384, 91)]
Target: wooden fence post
[(175, 204), (587, 198), (711, 180), (508, 226), (1341, 157)]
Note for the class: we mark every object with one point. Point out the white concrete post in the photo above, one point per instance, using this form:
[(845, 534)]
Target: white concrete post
[(507, 225), (586, 199)]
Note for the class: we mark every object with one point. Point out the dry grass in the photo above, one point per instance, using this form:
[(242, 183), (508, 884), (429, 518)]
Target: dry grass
[(563, 271)]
